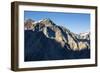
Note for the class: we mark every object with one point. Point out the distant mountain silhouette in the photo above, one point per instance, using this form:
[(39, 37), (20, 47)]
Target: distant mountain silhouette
[(44, 40)]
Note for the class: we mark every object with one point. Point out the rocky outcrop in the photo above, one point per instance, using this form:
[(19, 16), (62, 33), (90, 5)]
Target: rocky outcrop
[(64, 36)]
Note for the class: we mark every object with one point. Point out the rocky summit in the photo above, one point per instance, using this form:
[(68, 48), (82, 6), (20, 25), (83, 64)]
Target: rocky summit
[(45, 40)]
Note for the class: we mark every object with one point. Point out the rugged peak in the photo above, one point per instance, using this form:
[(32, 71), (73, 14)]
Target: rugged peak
[(61, 34), (47, 19), (29, 21), (47, 22), (85, 35), (28, 24)]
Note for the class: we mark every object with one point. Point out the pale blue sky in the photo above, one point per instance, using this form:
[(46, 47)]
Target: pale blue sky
[(75, 22)]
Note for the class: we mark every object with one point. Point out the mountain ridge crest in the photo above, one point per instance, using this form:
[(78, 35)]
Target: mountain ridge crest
[(61, 34)]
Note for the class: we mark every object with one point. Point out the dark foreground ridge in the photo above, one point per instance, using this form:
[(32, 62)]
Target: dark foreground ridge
[(38, 47)]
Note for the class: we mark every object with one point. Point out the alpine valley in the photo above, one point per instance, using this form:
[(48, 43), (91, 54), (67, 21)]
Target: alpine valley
[(45, 40)]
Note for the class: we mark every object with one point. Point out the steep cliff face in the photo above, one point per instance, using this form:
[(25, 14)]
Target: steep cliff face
[(44, 40), (61, 34)]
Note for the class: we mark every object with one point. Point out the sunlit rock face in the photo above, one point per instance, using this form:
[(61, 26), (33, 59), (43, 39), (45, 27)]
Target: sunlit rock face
[(60, 34), (50, 34)]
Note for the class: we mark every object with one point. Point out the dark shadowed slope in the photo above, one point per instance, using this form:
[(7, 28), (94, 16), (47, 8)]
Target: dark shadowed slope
[(38, 47)]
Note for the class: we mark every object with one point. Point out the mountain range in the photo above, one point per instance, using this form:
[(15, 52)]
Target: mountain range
[(45, 40)]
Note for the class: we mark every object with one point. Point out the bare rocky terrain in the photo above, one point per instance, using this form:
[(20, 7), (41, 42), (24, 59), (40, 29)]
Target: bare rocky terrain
[(45, 40)]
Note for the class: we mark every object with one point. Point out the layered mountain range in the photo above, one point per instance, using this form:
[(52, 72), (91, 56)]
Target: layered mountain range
[(45, 40)]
